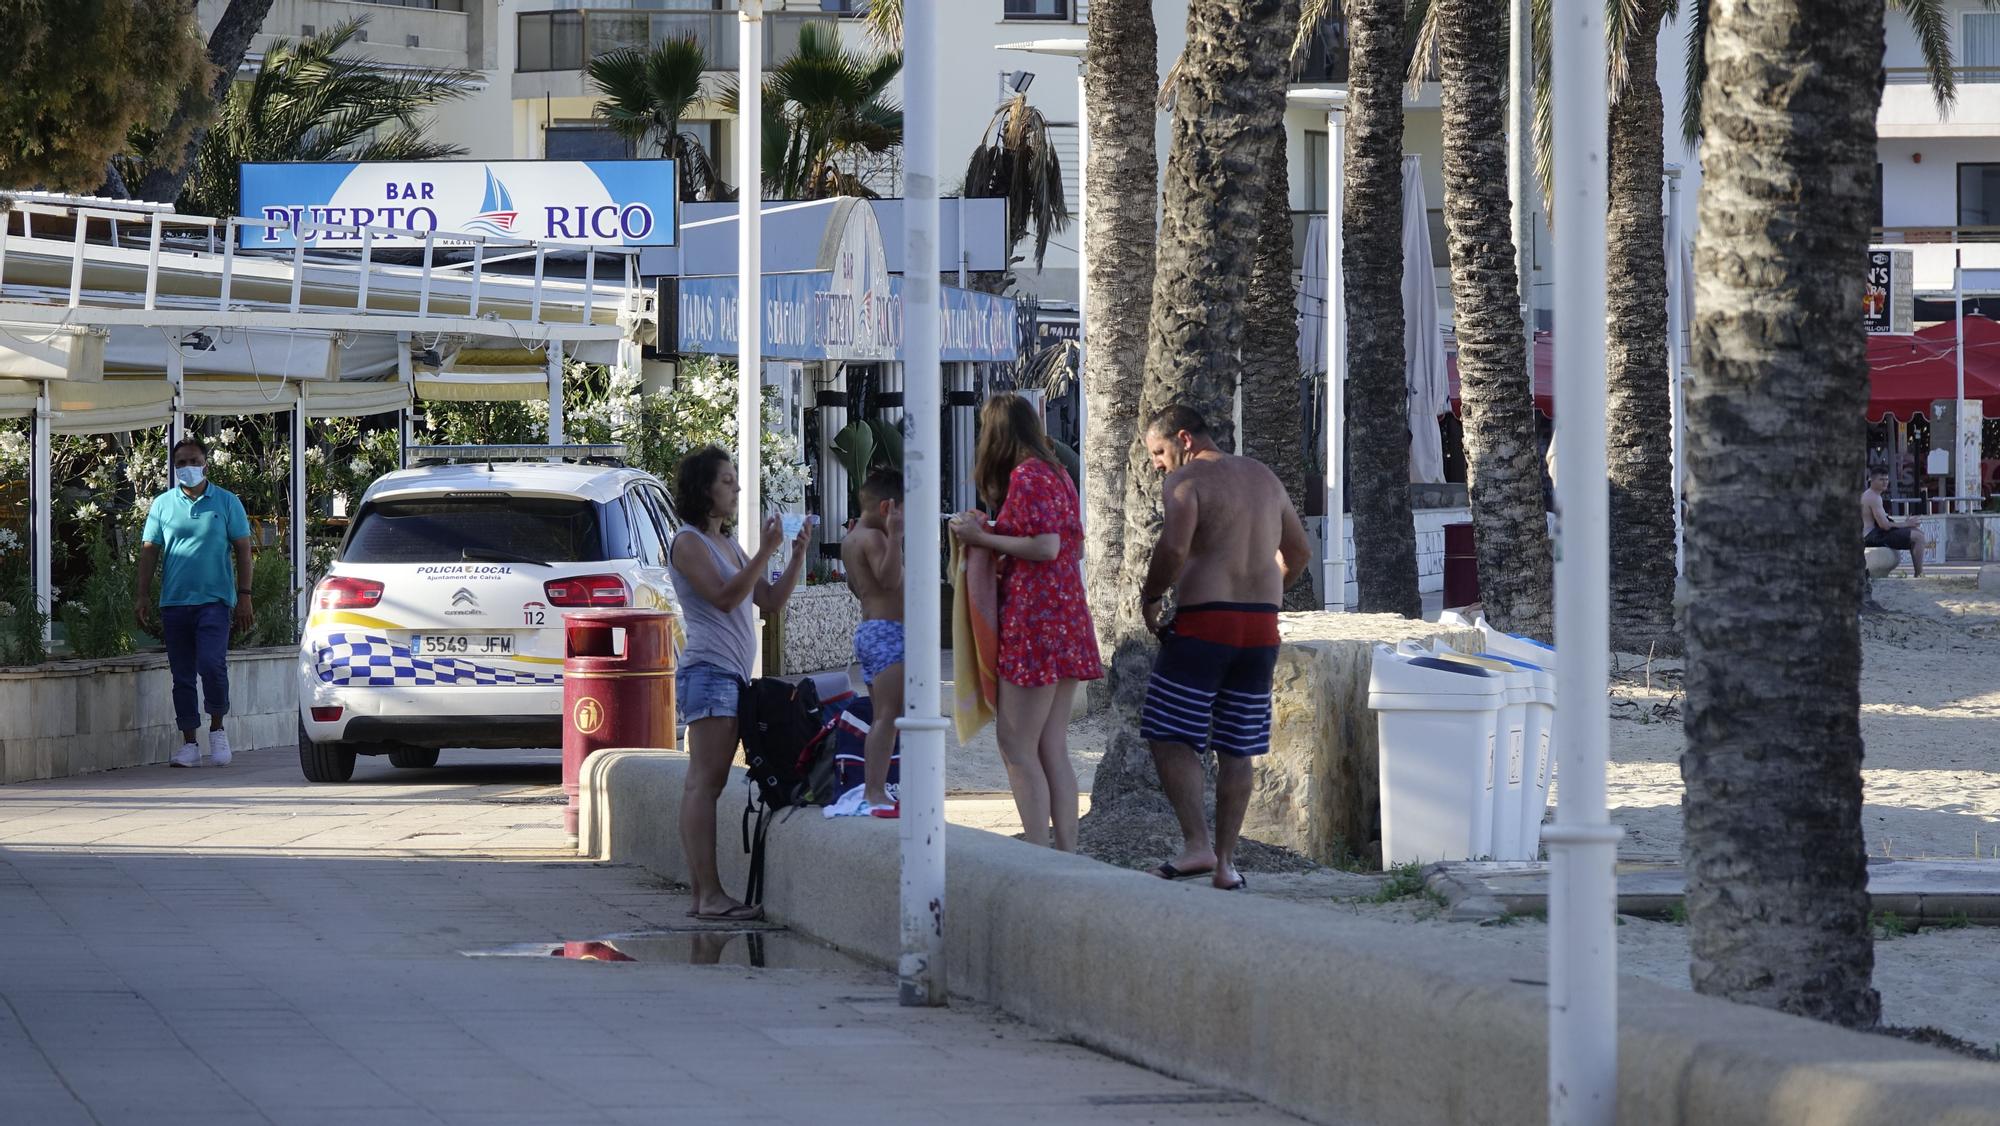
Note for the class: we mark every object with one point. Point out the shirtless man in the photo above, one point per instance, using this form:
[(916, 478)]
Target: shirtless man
[(1229, 548), (873, 555), (1878, 530)]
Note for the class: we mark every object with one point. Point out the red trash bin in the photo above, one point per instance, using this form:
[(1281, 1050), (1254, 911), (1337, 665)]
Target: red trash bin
[(1461, 567), (618, 688)]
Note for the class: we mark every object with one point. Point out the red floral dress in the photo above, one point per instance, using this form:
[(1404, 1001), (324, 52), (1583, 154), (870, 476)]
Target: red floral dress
[(1045, 629)]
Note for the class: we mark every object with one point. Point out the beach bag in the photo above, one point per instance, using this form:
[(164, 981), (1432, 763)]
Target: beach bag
[(850, 722)]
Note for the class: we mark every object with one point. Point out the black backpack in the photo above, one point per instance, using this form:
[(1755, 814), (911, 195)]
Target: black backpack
[(788, 754)]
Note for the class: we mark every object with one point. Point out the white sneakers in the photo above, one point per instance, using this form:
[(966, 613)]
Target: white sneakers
[(218, 751)]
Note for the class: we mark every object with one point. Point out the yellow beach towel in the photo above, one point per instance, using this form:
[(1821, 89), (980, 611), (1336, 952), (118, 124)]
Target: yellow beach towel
[(975, 639)]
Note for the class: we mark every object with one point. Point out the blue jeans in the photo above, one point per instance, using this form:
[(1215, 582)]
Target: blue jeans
[(197, 640)]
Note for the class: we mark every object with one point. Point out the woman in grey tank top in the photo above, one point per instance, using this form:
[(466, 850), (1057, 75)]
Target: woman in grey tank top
[(720, 592)]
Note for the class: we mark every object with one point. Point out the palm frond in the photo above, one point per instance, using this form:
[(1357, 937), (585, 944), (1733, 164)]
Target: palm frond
[(1017, 162), (1931, 20), (884, 20), (1313, 15), (1423, 40), (1697, 70)]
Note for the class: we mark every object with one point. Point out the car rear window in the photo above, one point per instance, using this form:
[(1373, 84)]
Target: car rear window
[(492, 526)]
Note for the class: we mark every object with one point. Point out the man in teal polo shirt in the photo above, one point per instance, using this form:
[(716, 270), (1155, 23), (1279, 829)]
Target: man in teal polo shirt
[(199, 524)]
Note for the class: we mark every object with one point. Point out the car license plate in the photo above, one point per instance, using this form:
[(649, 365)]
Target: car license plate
[(462, 644)]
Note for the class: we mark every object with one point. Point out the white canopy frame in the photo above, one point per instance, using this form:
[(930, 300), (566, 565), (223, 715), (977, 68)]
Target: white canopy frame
[(78, 271)]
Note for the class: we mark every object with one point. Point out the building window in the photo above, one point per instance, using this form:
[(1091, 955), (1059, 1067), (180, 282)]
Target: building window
[(1979, 195), (1037, 9), (1317, 188), (844, 8), (1979, 46), (583, 140)]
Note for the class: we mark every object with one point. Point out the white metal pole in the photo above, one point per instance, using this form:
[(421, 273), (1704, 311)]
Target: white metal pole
[(1082, 288), (750, 271), (1583, 956), (42, 531), (1958, 429), (555, 361), (921, 970), (1676, 357), (406, 375), (299, 521), (1336, 366), (1520, 184), (176, 378)]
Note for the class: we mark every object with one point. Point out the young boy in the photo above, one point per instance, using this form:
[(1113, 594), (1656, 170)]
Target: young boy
[(873, 555)]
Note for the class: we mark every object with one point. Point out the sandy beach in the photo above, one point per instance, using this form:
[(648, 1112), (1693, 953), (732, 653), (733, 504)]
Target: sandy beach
[(1931, 672)]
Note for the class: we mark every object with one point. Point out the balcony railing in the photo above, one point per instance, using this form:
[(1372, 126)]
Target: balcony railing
[(568, 40), (1884, 236), (1917, 75)]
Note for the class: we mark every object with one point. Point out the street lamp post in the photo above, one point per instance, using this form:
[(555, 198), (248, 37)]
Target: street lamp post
[(1583, 956), (749, 272), (920, 971), (1333, 553)]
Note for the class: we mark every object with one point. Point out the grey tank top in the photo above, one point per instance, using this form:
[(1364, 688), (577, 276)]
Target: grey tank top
[(725, 640)]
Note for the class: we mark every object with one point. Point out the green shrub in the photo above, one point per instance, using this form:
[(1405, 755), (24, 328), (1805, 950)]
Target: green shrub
[(99, 620), (272, 614), (21, 624)]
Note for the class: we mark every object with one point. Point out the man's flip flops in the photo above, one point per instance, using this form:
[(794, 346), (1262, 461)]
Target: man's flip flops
[(1239, 885), (1169, 872)]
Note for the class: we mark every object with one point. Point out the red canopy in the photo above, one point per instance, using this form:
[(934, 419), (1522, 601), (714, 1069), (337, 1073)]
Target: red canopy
[(1905, 373)]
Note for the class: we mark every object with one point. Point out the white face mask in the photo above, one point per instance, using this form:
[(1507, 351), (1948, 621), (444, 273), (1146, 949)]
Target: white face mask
[(189, 476)]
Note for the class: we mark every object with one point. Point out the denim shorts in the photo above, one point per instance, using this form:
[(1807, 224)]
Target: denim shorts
[(704, 691)]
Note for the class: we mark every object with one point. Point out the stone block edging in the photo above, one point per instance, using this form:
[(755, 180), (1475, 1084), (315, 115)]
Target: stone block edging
[(1339, 1019)]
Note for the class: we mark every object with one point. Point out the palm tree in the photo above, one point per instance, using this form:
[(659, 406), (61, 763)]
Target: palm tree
[(646, 94), (823, 105), (1016, 161), (1121, 67), (1378, 411), (1503, 460), (1777, 875), (309, 103)]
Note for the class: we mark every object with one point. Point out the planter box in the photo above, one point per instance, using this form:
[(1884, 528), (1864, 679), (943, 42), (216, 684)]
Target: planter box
[(78, 717)]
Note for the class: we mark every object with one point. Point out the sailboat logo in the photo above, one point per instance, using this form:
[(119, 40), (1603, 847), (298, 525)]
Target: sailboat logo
[(496, 211)]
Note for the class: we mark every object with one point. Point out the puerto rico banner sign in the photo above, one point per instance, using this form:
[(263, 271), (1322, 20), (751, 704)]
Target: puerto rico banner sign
[(595, 202)]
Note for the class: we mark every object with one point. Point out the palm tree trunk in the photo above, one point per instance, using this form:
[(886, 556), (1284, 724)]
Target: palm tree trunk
[(1638, 421), (1378, 402), (1273, 428), (1120, 73), (1777, 877), (1502, 454), (1230, 94), (227, 45)]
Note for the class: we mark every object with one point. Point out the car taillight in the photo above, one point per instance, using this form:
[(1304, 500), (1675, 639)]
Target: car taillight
[(326, 715), (339, 593), (586, 590)]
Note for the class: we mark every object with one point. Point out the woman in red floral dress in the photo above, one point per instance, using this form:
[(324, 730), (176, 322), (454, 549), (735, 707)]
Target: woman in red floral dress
[(1047, 642)]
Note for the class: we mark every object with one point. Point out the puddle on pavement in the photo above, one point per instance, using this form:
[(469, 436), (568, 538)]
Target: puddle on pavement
[(762, 948)]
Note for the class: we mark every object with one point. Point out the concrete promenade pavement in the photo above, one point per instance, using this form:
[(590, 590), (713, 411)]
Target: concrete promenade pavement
[(218, 947)]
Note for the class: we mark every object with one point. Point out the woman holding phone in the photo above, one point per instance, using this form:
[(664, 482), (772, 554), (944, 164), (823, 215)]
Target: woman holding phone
[(1047, 641), (720, 591)]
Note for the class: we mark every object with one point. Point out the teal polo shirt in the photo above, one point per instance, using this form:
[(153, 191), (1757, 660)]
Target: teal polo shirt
[(194, 537)]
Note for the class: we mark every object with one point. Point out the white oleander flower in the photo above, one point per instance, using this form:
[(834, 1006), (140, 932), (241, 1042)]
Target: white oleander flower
[(87, 512)]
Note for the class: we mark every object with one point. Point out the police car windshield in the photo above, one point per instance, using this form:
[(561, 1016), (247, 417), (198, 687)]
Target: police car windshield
[(450, 529)]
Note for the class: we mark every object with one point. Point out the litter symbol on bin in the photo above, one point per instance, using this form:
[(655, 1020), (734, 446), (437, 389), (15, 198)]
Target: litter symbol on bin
[(588, 716)]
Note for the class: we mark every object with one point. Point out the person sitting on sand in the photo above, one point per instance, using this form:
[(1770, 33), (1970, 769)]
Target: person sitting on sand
[(1879, 530), (873, 555)]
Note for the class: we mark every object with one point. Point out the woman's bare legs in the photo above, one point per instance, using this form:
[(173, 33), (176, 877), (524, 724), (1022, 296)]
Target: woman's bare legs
[(1053, 751), (1018, 723), (711, 748)]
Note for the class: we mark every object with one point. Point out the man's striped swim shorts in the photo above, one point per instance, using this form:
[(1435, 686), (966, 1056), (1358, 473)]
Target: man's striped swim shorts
[(1211, 684)]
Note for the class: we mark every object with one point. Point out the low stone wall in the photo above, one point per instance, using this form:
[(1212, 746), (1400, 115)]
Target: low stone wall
[(78, 717), (1429, 523), (1333, 1017), (1318, 790), (818, 628)]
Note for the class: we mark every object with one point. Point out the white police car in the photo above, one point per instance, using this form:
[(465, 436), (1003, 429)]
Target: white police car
[(440, 623)]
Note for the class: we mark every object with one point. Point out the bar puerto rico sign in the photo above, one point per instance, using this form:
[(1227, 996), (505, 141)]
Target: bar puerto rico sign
[(584, 202)]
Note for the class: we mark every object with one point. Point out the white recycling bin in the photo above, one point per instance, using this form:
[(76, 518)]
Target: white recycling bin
[(1540, 734), (1529, 651), (1512, 770), (1437, 726)]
